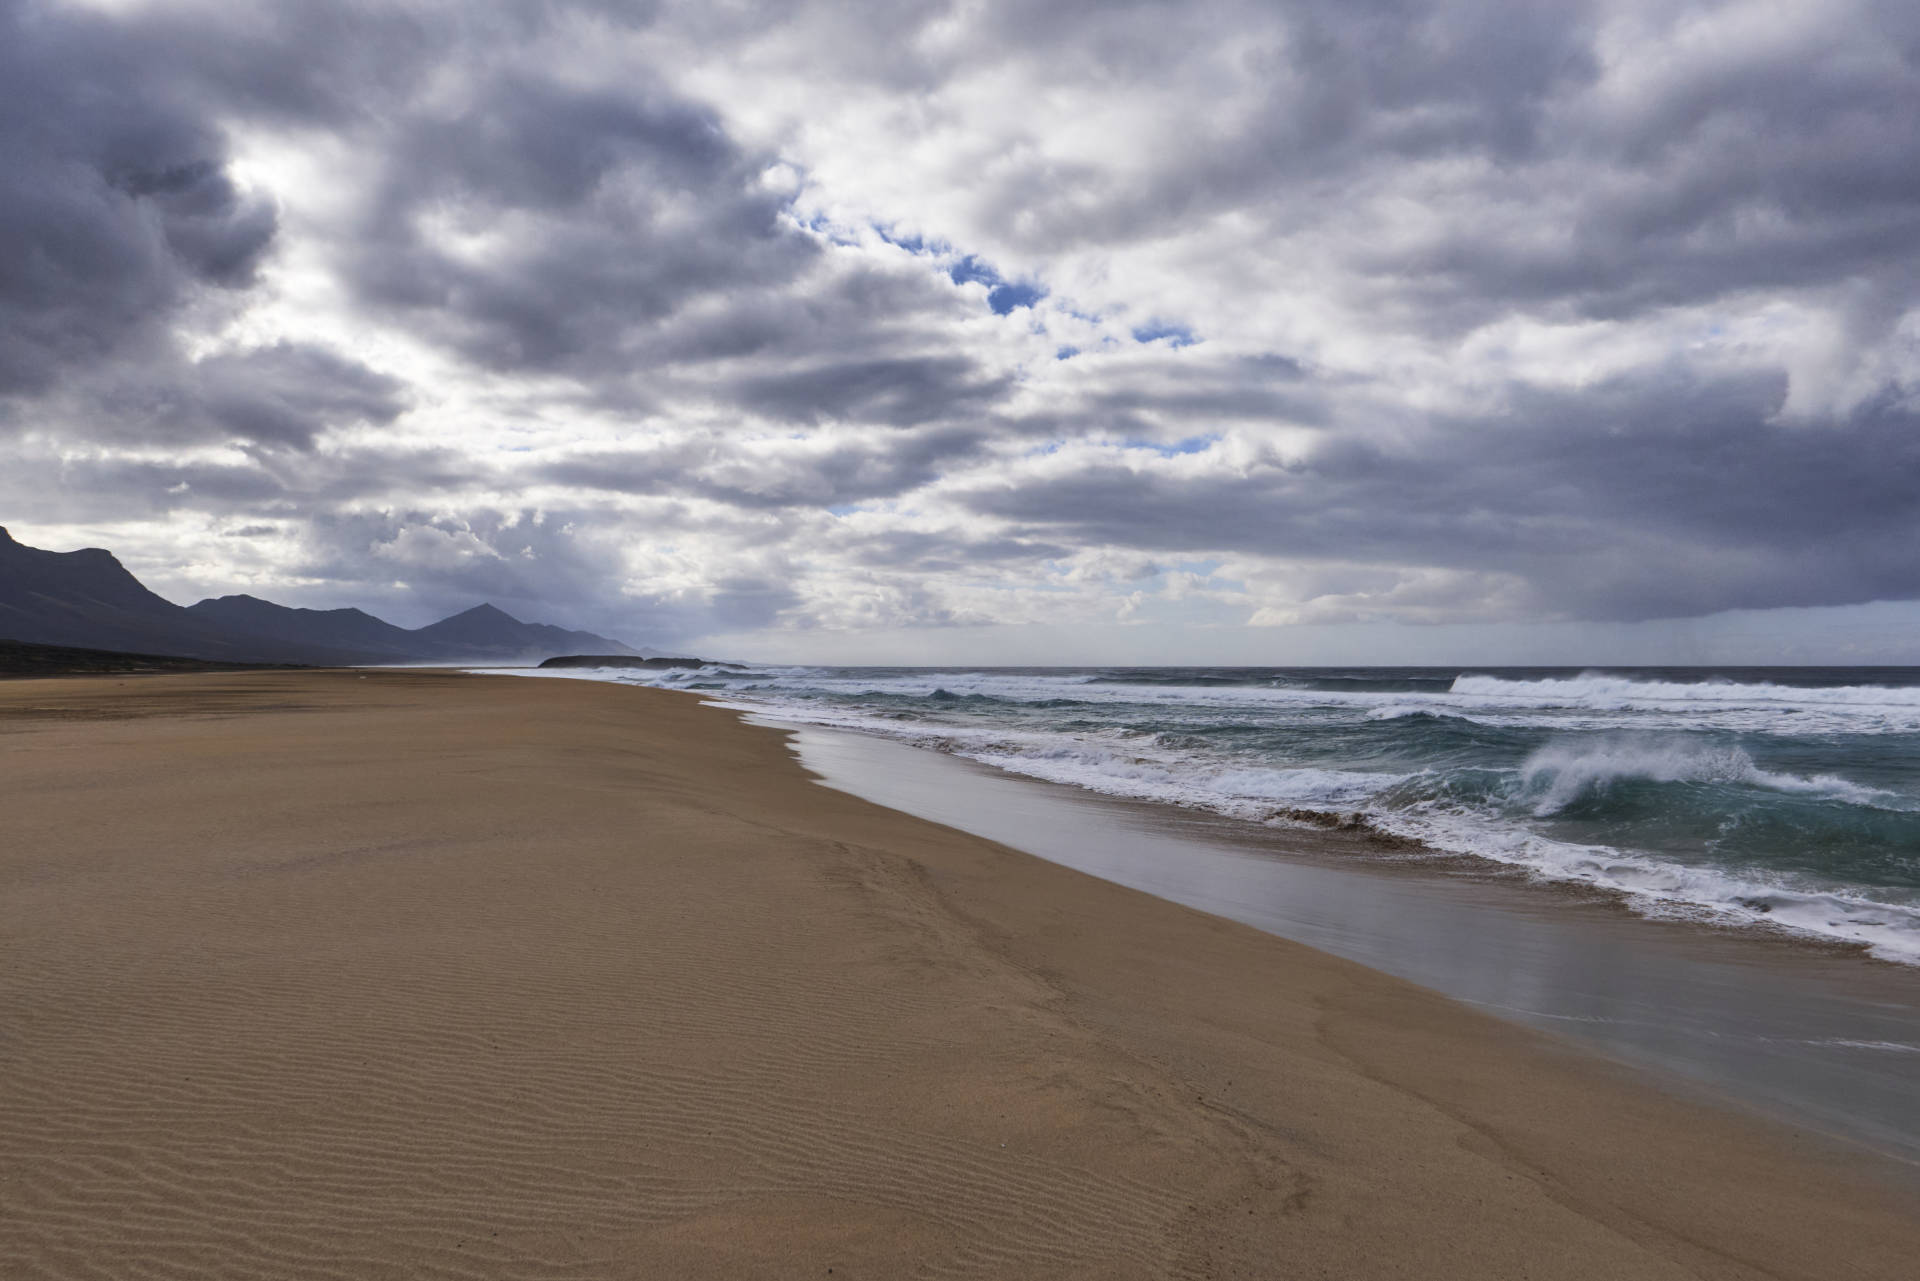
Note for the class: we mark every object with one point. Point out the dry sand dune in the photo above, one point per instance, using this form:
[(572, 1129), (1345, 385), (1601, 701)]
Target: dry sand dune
[(419, 975)]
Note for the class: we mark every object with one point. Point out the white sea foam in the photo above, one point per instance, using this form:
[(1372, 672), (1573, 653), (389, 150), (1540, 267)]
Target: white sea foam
[(1401, 711), (1598, 690), (1658, 887), (1596, 700)]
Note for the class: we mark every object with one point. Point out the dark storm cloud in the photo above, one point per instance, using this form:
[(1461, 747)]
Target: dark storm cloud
[(104, 486), (118, 215), (115, 201), (307, 63), (1188, 393), (1642, 499), (904, 391), (1790, 171), (618, 209), (623, 238), (288, 393), (860, 309), (935, 553), (858, 345), (262, 400), (835, 475), (1790, 166)]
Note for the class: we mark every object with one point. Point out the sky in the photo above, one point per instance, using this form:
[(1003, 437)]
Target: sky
[(979, 331)]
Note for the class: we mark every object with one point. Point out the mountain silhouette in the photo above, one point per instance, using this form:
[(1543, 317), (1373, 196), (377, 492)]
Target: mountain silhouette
[(88, 599), (487, 629), (483, 633), (352, 630)]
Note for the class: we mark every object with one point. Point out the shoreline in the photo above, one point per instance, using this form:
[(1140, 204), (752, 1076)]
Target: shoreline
[(1042, 723), (1337, 838), (1729, 1012), (1338, 843), (420, 973)]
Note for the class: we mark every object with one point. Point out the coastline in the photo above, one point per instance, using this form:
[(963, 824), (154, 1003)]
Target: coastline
[(1779, 804), (410, 972), (1814, 1033)]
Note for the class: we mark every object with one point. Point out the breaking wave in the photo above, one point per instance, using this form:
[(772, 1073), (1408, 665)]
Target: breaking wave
[(1560, 773)]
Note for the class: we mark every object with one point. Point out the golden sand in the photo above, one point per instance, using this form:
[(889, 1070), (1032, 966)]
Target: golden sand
[(427, 975)]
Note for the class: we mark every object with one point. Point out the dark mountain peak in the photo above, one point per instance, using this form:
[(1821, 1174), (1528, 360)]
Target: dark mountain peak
[(253, 605), (350, 631), (92, 571), (18, 553), (238, 605), (489, 631), (483, 613)]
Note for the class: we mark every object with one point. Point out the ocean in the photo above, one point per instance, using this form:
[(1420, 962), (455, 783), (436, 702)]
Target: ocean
[(1783, 799)]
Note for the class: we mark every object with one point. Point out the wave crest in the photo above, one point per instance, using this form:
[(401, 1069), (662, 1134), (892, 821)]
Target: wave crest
[(1559, 774)]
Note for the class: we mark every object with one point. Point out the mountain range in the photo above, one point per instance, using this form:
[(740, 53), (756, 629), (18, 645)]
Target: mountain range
[(88, 599)]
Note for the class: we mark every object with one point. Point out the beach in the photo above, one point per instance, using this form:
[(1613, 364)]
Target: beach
[(1823, 1037), (403, 974)]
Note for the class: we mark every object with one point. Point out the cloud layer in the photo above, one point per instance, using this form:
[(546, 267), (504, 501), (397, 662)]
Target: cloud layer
[(784, 318)]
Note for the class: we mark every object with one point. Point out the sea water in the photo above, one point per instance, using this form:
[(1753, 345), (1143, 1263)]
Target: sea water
[(1778, 798)]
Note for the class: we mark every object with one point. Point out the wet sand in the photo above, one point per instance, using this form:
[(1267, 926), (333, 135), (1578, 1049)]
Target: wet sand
[(1816, 1034), (408, 974)]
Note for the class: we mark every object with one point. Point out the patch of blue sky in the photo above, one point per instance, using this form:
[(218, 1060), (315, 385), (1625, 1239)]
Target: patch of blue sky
[(1004, 298), (1003, 295), (912, 244), (1169, 449), (1066, 353), (846, 509), (1154, 331), (970, 270)]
